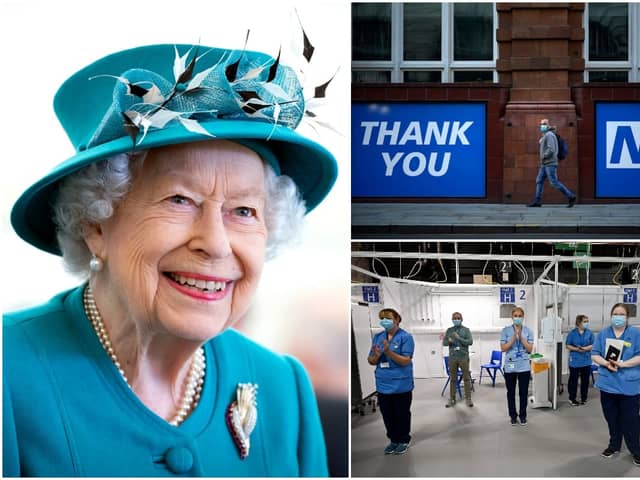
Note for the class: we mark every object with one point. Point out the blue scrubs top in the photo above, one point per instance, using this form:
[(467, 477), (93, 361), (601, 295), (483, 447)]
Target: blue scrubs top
[(626, 381), (577, 339), (516, 358), (391, 377), (68, 412)]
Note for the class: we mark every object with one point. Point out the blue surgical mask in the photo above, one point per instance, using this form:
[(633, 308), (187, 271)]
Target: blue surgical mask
[(585, 325), (386, 323), (618, 320), (544, 128), (517, 320), (456, 322)]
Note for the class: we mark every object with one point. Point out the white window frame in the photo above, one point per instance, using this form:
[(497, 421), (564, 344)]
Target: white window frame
[(632, 65), (397, 65)]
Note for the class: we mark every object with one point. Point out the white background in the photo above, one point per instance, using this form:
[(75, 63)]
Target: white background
[(303, 302)]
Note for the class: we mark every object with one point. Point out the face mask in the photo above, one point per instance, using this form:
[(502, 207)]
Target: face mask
[(618, 320), (543, 128), (585, 325), (386, 323), (517, 320), (457, 323)]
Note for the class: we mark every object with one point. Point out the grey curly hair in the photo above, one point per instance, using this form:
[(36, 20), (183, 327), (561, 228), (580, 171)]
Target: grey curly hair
[(90, 196)]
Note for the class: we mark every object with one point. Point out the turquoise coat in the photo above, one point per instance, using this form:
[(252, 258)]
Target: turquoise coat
[(68, 412)]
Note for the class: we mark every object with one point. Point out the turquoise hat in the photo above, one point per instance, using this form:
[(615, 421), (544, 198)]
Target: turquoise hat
[(159, 95)]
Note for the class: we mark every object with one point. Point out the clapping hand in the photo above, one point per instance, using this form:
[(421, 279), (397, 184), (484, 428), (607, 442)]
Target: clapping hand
[(385, 345)]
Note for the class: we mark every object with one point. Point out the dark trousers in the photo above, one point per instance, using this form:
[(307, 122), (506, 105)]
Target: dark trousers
[(621, 413), (522, 378), (584, 373), (396, 414)]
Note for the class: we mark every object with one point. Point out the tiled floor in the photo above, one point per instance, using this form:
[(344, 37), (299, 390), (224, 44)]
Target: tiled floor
[(480, 442)]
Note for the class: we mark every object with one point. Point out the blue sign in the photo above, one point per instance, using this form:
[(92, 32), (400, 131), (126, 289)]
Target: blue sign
[(370, 294), (630, 295), (418, 150), (507, 294), (618, 150)]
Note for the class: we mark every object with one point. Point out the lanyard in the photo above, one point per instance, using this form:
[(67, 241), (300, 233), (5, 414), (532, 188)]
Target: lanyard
[(518, 344)]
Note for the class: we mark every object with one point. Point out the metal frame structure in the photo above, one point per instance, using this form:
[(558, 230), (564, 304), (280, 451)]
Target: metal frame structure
[(552, 260)]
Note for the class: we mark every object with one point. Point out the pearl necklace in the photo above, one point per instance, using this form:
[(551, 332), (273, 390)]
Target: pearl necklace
[(195, 379)]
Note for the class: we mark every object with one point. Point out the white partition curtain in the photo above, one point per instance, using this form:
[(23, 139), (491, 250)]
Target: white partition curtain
[(411, 300)]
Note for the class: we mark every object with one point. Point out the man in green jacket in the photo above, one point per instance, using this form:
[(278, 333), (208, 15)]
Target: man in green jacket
[(458, 339)]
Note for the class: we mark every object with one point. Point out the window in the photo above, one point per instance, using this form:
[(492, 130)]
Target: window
[(473, 31), (611, 42), (423, 42), (422, 23), (371, 27)]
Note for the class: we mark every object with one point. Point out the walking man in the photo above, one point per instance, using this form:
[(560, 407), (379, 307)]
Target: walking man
[(549, 165), (458, 339)]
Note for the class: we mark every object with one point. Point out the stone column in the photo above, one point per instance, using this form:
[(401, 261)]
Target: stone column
[(540, 58)]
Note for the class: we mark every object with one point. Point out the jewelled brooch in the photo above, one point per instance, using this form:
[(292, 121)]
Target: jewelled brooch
[(241, 416)]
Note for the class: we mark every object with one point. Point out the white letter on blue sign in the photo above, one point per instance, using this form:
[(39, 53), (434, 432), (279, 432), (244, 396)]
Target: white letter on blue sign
[(441, 135), (412, 132), (392, 133), (390, 162), (622, 144), (421, 165), (368, 128), (459, 133), (406, 164), (445, 164)]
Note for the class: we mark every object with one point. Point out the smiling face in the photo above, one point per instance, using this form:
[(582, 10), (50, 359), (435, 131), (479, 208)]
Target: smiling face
[(184, 250)]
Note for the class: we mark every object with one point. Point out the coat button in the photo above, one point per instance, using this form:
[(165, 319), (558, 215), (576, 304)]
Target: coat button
[(179, 459)]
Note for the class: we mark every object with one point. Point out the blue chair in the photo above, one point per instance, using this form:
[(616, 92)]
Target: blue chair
[(594, 369), (493, 367), (458, 379)]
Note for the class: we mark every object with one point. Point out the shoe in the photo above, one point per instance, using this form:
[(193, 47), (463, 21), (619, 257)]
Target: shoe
[(583, 402), (608, 453), (401, 449), (534, 204), (450, 403), (636, 460), (514, 422), (523, 422), (469, 402), (390, 448), (572, 201), (573, 403)]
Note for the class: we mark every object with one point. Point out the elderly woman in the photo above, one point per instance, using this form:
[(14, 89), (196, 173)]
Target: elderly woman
[(188, 174)]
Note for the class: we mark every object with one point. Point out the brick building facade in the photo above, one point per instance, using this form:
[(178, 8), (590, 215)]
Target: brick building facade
[(540, 65)]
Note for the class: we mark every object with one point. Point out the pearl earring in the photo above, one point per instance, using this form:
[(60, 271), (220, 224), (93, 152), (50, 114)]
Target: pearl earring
[(95, 264)]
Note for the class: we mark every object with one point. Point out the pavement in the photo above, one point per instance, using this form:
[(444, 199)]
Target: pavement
[(469, 220)]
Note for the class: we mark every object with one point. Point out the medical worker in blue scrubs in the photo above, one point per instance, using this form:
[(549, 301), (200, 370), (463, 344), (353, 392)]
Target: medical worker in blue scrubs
[(392, 353), (579, 343), (619, 383), (517, 341)]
